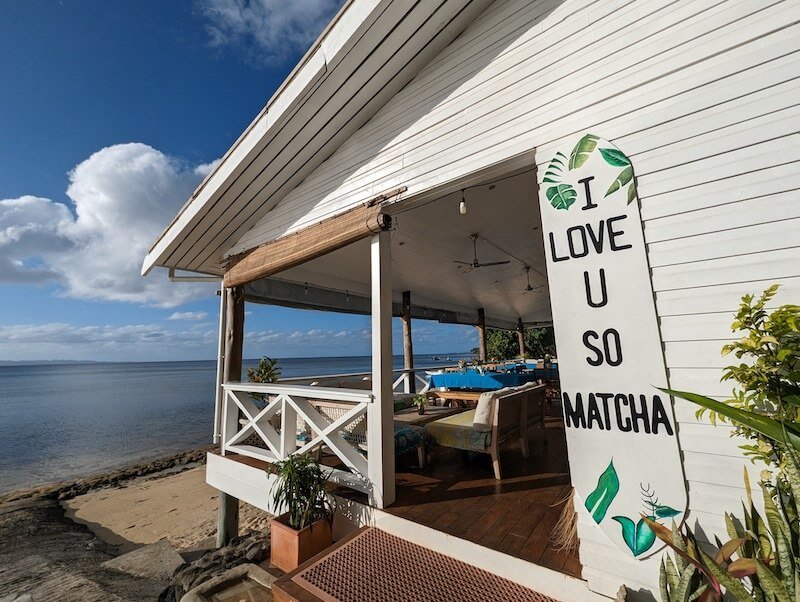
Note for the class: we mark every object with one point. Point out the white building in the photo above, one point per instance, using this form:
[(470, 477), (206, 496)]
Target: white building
[(344, 193)]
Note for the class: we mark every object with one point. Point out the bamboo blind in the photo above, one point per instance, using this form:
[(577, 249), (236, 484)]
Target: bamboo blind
[(306, 244)]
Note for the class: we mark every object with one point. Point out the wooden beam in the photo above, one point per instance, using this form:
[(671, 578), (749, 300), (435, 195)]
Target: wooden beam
[(481, 334), (521, 338), (408, 346), (306, 244), (380, 414)]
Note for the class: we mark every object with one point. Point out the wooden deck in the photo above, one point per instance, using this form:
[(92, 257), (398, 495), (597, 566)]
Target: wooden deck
[(457, 494)]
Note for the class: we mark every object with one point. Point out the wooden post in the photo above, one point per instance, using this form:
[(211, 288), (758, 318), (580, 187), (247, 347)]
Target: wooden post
[(521, 338), (228, 514), (227, 519), (408, 347), (380, 414), (481, 334)]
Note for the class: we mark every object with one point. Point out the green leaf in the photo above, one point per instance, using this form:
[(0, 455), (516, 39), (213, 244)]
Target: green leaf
[(663, 579), (623, 178), (722, 577), (645, 538), (582, 150), (615, 157), (561, 196), (666, 512), (769, 427), (600, 499), (771, 584), (628, 531), (639, 537), (681, 593), (632, 192)]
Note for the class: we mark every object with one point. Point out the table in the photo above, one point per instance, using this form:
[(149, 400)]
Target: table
[(412, 415)]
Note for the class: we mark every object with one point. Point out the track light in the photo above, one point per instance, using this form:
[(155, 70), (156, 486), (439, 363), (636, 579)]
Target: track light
[(462, 206)]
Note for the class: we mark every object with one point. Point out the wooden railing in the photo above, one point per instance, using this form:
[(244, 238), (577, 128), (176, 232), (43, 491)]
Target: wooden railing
[(296, 419)]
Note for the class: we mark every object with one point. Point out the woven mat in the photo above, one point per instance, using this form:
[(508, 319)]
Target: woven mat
[(375, 566)]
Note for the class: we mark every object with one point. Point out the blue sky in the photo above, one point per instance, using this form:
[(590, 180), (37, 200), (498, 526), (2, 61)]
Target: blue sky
[(112, 112)]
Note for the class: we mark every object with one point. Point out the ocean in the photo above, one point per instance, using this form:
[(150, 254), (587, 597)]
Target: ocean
[(63, 421)]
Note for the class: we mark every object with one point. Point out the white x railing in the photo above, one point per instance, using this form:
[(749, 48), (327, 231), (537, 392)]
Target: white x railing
[(297, 419)]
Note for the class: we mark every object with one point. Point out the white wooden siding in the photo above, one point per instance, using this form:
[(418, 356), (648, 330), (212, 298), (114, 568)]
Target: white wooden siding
[(703, 96)]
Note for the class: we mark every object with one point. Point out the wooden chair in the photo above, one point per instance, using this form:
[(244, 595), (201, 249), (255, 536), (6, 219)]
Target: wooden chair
[(514, 414)]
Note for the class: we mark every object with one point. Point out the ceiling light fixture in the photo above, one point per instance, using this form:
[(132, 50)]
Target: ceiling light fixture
[(528, 288), (462, 206)]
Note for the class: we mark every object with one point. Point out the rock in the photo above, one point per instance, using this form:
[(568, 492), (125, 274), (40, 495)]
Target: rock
[(217, 585), (252, 547), (156, 561)]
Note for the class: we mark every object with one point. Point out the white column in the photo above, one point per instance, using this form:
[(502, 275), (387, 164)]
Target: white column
[(380, 431), (220, 396)]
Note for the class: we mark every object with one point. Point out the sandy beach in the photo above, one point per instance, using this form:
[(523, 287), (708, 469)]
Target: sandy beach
[(55, 538), (181, 508)]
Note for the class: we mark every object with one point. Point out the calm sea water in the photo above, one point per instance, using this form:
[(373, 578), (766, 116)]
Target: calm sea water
[(64, 421)]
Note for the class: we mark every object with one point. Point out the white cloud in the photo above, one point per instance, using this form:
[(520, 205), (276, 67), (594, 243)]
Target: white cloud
[(128, 342), (266, 30), (122, 197), (156, 342), (189, 315)]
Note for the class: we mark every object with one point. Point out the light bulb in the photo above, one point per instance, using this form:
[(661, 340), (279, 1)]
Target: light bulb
[(462, 206), (305, 289)]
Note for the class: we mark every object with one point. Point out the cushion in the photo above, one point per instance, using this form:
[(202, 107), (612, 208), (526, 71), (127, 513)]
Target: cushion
[(484, 412), (456, 431), (408, 437)]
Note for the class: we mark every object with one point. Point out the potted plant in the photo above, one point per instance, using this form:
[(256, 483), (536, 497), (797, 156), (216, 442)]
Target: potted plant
[(421, 401), (304, 528), (267, 371)]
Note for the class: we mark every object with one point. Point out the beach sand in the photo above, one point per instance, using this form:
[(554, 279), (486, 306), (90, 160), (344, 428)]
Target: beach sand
[(181, 508)]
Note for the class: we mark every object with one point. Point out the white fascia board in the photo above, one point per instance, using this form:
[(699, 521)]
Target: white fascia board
[(305, 76)]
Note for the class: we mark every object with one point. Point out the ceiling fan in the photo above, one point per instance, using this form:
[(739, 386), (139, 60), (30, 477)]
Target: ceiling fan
[(475, 264), (529, 288)]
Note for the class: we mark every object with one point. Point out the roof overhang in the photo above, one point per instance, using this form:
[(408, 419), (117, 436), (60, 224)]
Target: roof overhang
[(371, 49)]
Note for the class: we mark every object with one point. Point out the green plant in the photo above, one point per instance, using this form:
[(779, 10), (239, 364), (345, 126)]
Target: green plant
[(767, 566), (766, 407), (300, 491), (267, 371), (420, 400)]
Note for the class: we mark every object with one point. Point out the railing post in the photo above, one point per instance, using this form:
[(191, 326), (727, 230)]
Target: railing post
[(380, 432), (288, 428)]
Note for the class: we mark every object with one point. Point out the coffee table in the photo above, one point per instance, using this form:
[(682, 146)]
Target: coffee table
[(412, 415)]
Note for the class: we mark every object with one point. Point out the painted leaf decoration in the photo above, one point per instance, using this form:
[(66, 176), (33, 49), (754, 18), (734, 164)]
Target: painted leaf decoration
[(615, 157), (632, 192), (623, 178), (645, 537), (584, 148), (638, 537), (666, 512), (628, 531), (600, 499), (553, 172), (561, 196)]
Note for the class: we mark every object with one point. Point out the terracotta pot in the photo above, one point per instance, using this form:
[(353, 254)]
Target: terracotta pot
[(290, 548)]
